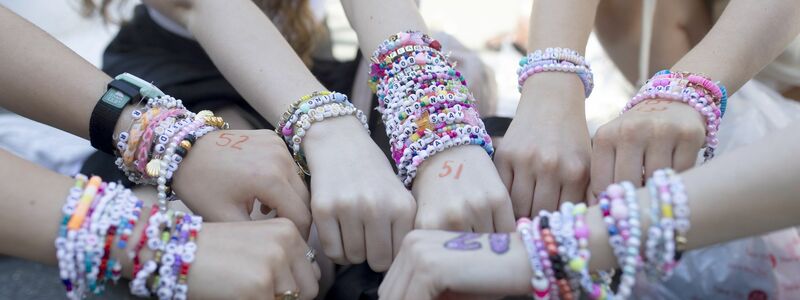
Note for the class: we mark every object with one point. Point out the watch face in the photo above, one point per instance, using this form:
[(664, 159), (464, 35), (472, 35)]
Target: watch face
[(116, 98)]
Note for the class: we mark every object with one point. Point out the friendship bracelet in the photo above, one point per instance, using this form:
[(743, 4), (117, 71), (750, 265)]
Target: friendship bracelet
[(556, 60), (678, 89), (309, 109), (416, 87)]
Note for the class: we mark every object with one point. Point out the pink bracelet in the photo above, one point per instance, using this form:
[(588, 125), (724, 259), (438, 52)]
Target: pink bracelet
[(147, 137)]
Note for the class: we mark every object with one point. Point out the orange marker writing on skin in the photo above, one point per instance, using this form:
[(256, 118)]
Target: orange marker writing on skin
[(82, 209)]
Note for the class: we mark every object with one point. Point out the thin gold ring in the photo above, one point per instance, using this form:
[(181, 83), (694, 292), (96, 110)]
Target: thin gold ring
[(288, 295)]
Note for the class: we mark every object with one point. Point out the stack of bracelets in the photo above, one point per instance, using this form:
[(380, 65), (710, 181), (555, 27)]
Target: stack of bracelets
[(159, 138), (99, 216), (423, 100), (556, 60), (310, 109), (709, 98), (557, 242)]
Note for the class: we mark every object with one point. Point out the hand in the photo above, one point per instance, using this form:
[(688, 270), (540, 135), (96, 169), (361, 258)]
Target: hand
[(544, 157), (225, 171), (654, 134), (361, 209), (427, 267), (252, 260), (459, 189)]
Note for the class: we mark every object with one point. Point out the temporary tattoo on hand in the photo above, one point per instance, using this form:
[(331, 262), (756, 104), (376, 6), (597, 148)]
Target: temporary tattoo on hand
[(226, 136), (653, 108), (447, 169), (464, 241), (499, 242)]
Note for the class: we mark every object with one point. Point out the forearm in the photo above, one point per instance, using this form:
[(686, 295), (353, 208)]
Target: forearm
[(248, 49), (565, 24), (747, 192), (374, 21), (747, 36), (44, 80), (30, 212)]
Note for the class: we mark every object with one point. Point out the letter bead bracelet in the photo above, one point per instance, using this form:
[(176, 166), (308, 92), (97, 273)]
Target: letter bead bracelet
[(558, 250)]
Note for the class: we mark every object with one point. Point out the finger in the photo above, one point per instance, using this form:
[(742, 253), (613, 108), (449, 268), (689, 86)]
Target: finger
[(545, 195), (331, 239), (522, 192), (400, 228), (602, 170), (504, 219), (482, 220), (657, 156), (353, 239), (394, 282), (284, 279), (685, 157), (305, 278), (288, 204), (628, 164), (419, 287), (379, 243), (506, 174), (301, 189), (572, 193)]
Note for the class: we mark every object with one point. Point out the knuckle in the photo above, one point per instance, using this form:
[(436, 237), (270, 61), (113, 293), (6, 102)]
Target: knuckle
[(412, 238), (549, 162), (574, 172), (605, 135), (631, 131), (380, 264), (454, 221)]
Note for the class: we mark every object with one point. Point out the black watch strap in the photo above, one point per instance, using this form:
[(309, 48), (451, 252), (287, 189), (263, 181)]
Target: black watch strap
[(106, 114)]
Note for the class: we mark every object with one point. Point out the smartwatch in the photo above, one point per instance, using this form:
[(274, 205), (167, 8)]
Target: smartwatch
[(124, 88)]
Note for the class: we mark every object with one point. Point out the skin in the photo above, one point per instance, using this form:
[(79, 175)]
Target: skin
[(68, 106), (655, 136), (269, 256), (244, 260), (543, 159), (427, 269), (360, 208), (476, 200)]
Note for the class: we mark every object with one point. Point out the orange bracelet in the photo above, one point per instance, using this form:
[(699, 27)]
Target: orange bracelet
[(85, 201)]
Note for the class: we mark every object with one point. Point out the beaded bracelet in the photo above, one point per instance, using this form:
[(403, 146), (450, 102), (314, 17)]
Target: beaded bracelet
[(540, 286), (679, 88), (310, 109), (416, 87), (556, 60)]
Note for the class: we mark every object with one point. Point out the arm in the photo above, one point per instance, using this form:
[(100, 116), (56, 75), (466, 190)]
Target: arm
[(747, 36), (738, 178), (475, 198), (43, 80), (30, 216), (660, 133), (544, 157), (351, 175)]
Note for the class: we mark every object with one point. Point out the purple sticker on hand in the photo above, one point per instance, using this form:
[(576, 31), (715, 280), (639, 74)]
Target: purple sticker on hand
[(464, 242), (499, 242)]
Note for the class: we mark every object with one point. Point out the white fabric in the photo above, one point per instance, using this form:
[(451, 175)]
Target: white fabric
[(168, 24), (764, 267), (49, 147)]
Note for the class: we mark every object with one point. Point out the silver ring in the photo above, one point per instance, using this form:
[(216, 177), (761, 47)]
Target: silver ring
[(311, 255)]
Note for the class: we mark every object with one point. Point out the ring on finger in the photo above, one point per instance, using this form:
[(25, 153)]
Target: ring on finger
[(288, 295), (311, 255)]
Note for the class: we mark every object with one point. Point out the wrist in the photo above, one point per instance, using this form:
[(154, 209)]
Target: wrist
[(555, 91), (331, 131), (456, 155)]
